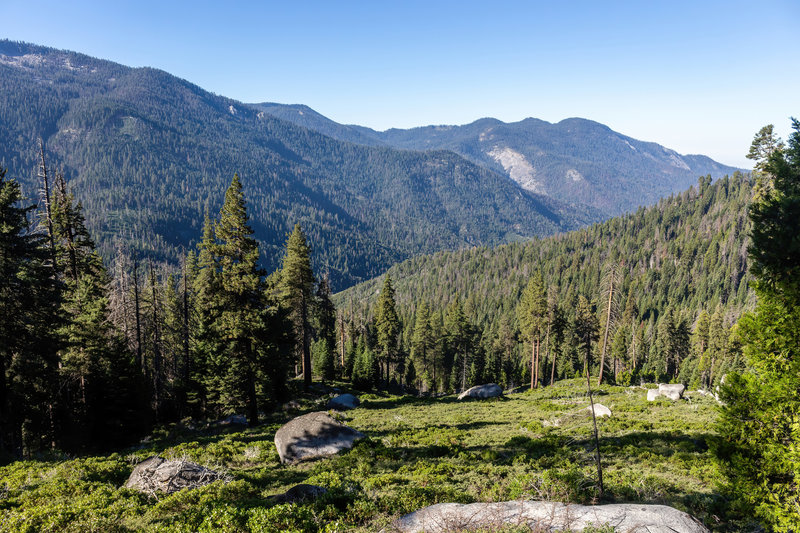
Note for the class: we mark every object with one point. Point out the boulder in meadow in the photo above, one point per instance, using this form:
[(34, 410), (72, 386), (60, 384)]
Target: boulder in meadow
[(313, 435), (490, 390)]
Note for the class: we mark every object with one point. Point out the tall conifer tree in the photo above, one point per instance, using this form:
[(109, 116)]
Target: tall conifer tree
[(295, 290), (241, 319), (387, 323), (532, 317), (28, 305)]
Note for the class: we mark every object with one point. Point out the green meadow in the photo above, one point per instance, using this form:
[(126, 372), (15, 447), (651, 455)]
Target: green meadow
[(419, 451)]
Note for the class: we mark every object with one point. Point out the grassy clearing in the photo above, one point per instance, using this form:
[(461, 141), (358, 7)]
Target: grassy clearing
[(419, 452)]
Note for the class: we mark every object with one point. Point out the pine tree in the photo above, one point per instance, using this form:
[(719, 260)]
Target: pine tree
[(585, 328), (458, 333), (532, 317), (421, 347), (387, 325), (206, 365), (759, 426), (295, 293), (93, 358), (242, 311), (325, 361), (699, 349), (28, 314)]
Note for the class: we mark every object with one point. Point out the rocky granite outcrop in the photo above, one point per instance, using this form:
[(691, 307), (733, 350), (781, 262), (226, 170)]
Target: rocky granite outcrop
[(672, 391), (156, 474), (490, 390), (546, 516)]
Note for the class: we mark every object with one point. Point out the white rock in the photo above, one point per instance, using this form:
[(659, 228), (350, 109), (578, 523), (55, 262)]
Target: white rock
[(600, 410), (546, 516), (672, 391), (489, 390)]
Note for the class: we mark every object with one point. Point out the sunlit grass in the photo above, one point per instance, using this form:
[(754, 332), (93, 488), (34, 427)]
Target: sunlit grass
[(419, 452)]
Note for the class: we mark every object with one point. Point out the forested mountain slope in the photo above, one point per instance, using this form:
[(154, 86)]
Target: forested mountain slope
[(146, 152), (575, 160), (686, 254)]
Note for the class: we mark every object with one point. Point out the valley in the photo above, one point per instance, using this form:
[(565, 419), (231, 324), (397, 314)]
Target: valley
[(222, 316)]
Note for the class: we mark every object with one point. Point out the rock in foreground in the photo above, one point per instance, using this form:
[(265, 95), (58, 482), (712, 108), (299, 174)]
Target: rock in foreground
[(156, 474), (343, 402), (672, 391), (313, 435), (546, 516), (489, 390)]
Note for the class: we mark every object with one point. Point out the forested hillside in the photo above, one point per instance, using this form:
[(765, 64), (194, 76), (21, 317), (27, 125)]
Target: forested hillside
[(146, 153), (575, 160), (676, 274)]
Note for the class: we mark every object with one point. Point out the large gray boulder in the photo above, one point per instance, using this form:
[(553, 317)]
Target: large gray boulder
[(156, 474), (672, 391), (343, 402), (313, 435), (546, 516), (489, 390)]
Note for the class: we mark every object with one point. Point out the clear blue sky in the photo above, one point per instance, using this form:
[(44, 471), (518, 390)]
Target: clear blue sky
[(696, 76)]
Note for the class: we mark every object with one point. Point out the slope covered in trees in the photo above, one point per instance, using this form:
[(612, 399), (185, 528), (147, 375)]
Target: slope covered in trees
[(575, 160), (681, 271), (91, 358), (146, 153)]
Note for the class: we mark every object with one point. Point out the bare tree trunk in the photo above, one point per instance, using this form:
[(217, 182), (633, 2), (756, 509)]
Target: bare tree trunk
[(596, 437), (137, 315), (341, 330), (434, 375), (252, 399), (533, 360), (547, 348), (306, 348), (605, 336), (185, 369), (156, 344), (464, 373), (47, 207), (70, 231)]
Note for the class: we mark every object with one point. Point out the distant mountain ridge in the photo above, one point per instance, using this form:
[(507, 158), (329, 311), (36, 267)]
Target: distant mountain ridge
[(147, 153), (575, 160)]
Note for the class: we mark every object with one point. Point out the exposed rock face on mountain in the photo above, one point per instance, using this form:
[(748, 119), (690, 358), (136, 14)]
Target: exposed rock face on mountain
[(489, 390), (157, 474), (546, 516), (575, 160), (313, 435)]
